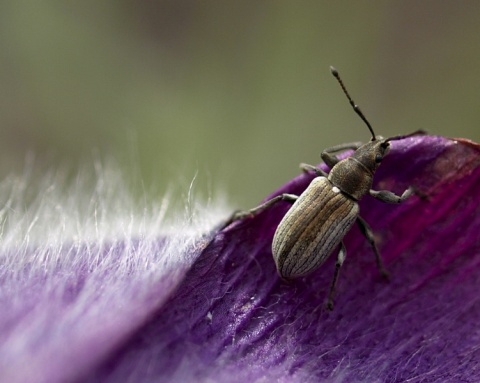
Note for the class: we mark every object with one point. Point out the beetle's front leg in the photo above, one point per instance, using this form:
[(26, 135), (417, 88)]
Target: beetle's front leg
[(238, 215), (390, 197), (342, 253), (330, 159)]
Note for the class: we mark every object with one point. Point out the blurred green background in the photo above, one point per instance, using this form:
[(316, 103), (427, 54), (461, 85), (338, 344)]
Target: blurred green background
[(236, 91)]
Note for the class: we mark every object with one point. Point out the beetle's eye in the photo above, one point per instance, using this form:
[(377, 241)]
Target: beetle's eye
[(378, 158)]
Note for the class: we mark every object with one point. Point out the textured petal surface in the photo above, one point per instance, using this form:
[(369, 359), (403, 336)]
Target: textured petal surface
[(232, 319)]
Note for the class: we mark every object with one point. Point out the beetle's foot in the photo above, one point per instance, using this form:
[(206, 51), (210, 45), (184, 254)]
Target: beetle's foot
[(423, 196), (385, 275), (236, 216), (306, 168), (329, 305)]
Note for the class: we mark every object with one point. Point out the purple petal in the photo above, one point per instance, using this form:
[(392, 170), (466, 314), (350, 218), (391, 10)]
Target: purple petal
[(232, 319)]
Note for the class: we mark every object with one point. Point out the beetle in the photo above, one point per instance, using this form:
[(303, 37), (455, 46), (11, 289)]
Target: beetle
[(323, 214)]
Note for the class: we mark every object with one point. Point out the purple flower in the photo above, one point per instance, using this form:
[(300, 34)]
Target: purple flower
[(129, 311)]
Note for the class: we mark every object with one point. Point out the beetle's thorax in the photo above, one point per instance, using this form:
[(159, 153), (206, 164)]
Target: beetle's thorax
[(354, 175), (351, 177)]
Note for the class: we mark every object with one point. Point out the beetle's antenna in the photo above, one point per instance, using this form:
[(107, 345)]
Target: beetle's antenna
[(355, 107)]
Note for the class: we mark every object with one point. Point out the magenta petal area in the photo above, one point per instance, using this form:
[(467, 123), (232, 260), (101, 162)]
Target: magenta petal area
[(232, 319)]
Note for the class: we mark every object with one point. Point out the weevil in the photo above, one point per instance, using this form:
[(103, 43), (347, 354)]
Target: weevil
[(315, 225)]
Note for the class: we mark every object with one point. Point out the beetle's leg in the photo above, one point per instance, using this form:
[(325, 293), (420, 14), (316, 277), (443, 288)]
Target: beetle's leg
[(238, 215), (390, 197), (342, 253), (330, 159), (368, 233), (310, 168)]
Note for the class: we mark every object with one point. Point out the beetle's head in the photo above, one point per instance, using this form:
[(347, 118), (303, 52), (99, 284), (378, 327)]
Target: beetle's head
[(372, 153)]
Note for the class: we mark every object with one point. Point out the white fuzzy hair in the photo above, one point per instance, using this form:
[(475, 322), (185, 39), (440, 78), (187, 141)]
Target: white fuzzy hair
[(83, 264)]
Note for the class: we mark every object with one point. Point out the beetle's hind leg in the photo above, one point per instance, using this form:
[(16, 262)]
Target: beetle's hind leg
[(342, 253), (241, 214), (368, 233)]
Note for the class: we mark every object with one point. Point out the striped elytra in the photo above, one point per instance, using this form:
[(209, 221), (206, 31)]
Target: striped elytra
[(326, 215)]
